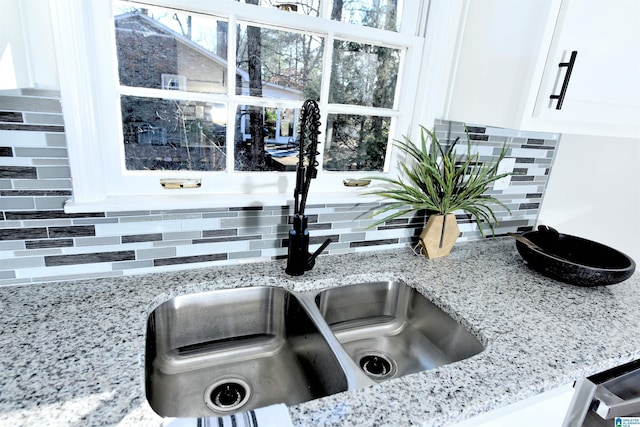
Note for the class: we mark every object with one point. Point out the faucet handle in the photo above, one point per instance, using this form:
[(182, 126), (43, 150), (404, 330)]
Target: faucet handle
[(312, 259)]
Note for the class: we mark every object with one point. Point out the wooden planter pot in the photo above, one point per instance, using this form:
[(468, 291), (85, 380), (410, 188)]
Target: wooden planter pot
[(439, 235)]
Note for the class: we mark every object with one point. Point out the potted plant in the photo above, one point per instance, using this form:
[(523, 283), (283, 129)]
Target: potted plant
[(434, 178)]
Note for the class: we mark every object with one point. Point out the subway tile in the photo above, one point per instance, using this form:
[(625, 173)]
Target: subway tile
[(11, 117), (251, 222), (48, 214), (53, 172), (130, 265), (42, 119), (23, 233), (31, 128), (49, 243), (524, 206), (40, 152), (94, 221), (8, 203), (7, 275), (171, 243), (226, 239), (56, 140), (11, 245), (97, 241), (72, 231), (129, 213), (373, 243), (189, 259), (254, 230), (266, 244), (50, 202), (30, 184), (18, 172), (246, 254), (182, 235), (89, 258), (120, 229), (23, 139), (156, 253), (219, 233), (38, 252), (141, 218), (181, 215), (39, 193), (23, 103), (22, 262), (135, 238), (42, 93)]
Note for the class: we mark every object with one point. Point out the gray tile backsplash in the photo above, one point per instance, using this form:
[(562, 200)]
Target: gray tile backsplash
[(39, 242)]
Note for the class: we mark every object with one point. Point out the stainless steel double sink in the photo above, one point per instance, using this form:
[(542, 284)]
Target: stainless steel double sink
[(225, 351)]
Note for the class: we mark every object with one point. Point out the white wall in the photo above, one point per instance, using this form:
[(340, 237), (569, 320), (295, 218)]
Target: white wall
[(27, 54), (594, 191)]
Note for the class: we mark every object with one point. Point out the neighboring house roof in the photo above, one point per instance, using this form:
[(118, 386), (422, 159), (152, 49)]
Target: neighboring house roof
[(139, 22)]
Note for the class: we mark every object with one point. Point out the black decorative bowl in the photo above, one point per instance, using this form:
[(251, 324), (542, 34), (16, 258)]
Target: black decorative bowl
[(573, 259)]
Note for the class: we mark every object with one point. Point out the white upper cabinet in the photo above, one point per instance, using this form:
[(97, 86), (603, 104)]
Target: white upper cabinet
[(509, 79), (602, 93)]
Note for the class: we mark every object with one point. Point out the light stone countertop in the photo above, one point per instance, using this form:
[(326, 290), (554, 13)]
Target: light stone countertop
[(71, 352)]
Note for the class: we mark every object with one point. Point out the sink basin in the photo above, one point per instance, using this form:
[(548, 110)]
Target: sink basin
[(390, 330), (225, 351), (233, 350)]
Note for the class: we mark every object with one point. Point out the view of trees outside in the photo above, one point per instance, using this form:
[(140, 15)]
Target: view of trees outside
[(361, 75), (164, 49), (289, 65)]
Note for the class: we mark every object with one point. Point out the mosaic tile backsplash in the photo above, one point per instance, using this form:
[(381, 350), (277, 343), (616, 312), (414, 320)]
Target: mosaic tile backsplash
[(40, 243)]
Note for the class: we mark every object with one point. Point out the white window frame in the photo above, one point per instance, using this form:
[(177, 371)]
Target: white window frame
[(85, 49)]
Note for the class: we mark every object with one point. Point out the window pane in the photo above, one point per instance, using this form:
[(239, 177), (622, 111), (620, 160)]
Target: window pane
[(382, 14), (306, 7), (164, 49), (363, 74), (278, 64), (265, 139), (356, 143), (162, 134)]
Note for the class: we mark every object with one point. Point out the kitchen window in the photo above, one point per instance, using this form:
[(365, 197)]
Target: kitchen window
[(213, 94)]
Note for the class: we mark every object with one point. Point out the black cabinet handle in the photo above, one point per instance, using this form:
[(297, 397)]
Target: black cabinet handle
[(567, 76)]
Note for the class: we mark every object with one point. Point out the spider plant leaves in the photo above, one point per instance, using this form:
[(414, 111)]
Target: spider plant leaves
[(435, 178)]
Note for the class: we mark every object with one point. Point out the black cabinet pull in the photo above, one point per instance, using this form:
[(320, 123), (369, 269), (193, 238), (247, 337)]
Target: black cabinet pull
[(567, 76)]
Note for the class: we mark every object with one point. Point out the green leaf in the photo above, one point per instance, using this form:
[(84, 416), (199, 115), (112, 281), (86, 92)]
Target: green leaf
[(435, 179)]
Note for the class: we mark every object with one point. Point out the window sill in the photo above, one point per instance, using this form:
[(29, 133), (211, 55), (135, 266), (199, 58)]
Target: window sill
[(208, 201)]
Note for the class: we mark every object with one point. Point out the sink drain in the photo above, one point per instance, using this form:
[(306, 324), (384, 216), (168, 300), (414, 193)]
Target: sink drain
[(377, 365), (227, 394)]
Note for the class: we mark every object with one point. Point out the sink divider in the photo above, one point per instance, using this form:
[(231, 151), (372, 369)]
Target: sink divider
[(355, 377)]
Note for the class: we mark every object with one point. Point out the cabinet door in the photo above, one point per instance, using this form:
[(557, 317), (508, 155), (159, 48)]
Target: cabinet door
[(603, 93)]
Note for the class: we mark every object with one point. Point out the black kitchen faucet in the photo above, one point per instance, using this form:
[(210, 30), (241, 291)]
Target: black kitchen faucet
[(299, 259)]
